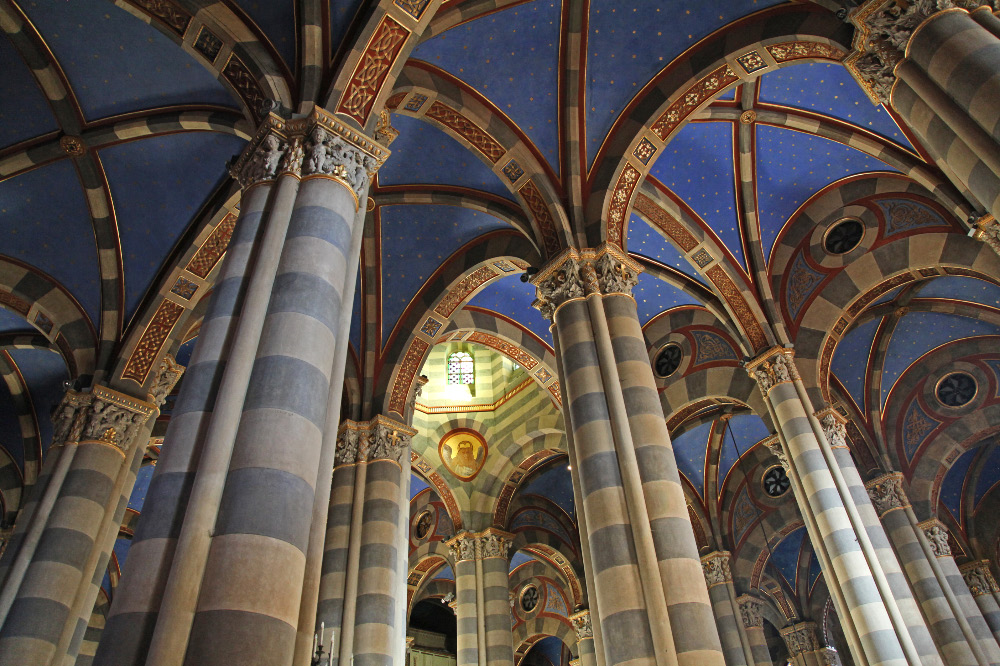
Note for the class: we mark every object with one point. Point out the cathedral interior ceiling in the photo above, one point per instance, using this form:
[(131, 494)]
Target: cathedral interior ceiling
[(723, 175)]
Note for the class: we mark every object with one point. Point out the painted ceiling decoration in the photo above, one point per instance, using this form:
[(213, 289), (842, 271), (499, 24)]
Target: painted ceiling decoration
[(725, 147)]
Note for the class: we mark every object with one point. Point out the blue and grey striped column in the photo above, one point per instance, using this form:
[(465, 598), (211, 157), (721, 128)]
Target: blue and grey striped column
[(719, 579), (136, 605), (467, 593), (48, 575), (873, 623), (646, 574), (753, 625), (983, 587)]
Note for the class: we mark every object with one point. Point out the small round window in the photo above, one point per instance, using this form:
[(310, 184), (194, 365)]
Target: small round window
[(668, 360), (844, 236), (957, 389), (423, 526), (529, 598), (776, 481)]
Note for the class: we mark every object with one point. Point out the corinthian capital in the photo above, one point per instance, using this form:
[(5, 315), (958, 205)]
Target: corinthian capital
[(167, 376), (887, 493), (800, 638), (834, 427), (582, 623), (493, 543), (262, 159), (389, 440), (978, 578), (716, 568), (750, 611), (463, 547), (882, 31), (574, 274), (103, 415), (987, 229), (348, 442), (937, 535), (773, 445), (773, 367)]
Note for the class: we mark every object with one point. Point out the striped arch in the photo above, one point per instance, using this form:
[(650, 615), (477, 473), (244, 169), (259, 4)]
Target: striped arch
[(27, 418), (434, 589), (11, 489), (542, 626), (783, 35), (430, 312), (868, 277), (52, 310), (246, 64), (387, 37), (136, 126), (426, 561), (544, 546), (463, 12), (420, 466), (543, 448), (445, 195), (431, 94)]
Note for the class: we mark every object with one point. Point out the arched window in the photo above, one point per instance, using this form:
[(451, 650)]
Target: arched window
[(460, 368)]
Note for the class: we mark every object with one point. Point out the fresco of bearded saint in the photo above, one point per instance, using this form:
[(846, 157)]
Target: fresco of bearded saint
[(466, 460)]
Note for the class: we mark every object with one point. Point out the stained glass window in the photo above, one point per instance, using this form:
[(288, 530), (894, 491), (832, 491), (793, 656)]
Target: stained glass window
[(460, 369)]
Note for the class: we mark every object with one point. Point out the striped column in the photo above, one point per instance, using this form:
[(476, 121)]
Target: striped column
[(494, 546), (646, 578), (137, 601), (585, 646), (359, 591), (48, 574), (834, 430), (951, 578), (753, 624), (719, 579), (873, 623), (252, 585), (939, 68), (463, 552), (378, 596), (943, 620), (803, 646), (984, 590), (482, 570)]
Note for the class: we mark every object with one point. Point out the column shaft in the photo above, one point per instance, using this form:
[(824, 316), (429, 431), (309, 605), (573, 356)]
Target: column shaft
[(983, 588), (719, 579), (467, 639), (252, 584), (336, 554), (496, 623), (753, 624), (133, 613)]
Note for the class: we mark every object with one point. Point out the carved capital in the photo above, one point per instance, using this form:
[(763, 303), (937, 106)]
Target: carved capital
[(937, 535), (987, 229), (800, 638), (167, 376), (379, 439), (463, 547), (102, 415), (887, 493), (882, 31), (750, 611), (773, 367), (582, 623), (830, 657), (978, 578), (481, 545), (834, 427), (716, 568), (773, 445), (575, 274), (316, 144)]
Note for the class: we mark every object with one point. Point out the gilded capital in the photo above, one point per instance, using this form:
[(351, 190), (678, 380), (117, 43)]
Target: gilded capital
[(834, 427), (750, 611), (716, 568), (463, 547), (979, 578), (101, 415), (381, 438), (167, 376), (773, 445), (987, 229), (491, 542), (883, 29), (937, 535), (800, 638), (575, 274), (887, 493), (773, 367), (582, 623)]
